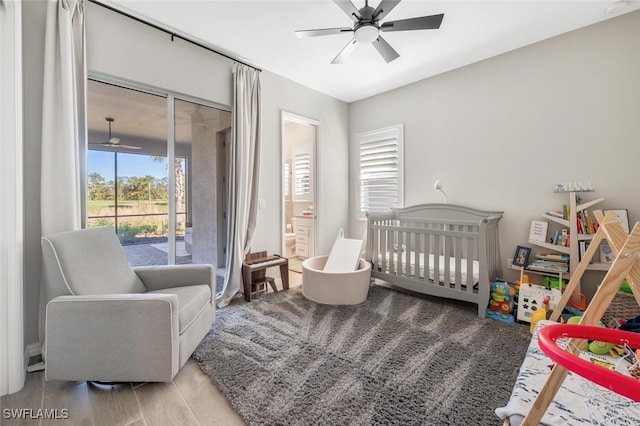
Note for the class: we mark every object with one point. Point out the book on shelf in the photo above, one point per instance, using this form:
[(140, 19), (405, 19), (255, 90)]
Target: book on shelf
[(581, 223), (553, 257), (557, 214), (590, 229), (585, 224), (538, 230), (584, 246), (548, 266)]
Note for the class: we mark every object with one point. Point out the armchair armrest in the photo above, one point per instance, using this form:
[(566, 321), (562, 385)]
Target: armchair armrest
[(165, 276), (114, 337)]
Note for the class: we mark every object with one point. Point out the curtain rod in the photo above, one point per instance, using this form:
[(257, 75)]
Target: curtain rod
[(171, 33)]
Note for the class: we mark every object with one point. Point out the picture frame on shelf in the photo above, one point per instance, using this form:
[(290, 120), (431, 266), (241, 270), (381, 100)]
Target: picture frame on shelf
[(622, 216), (538, 230), (606, 254), (521, 256)]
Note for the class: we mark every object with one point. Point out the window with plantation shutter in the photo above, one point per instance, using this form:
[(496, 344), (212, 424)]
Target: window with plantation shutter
[(286, 182), (301, 175), (380, 170)]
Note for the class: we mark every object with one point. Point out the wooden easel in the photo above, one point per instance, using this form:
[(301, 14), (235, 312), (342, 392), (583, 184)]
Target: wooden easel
[(626, 265)]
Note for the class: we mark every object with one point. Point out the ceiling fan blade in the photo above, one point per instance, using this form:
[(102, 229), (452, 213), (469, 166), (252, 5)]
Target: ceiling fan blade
[(321, 32), (345, 52), (348, 8), (384, 8), (431, 22), (128, 146), (388, 53)]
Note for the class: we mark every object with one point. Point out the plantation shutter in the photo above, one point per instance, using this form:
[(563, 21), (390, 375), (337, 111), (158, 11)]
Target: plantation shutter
[(302, 175), (380, 170), (286, 180)]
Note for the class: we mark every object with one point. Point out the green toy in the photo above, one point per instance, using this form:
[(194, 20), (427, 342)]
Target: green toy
[(596, 347), (600, 348)]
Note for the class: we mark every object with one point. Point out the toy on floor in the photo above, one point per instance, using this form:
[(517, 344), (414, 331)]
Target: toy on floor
[(540, 313), (500, 302), (597, 347)]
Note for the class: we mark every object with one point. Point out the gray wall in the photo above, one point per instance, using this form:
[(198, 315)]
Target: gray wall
[(33, 26), (128, 50), (500, 133)]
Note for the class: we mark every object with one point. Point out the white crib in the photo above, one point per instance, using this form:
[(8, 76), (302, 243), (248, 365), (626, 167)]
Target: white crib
[(442, 250)]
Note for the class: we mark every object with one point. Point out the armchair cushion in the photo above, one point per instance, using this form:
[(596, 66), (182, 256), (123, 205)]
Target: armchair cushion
[(192, 301)]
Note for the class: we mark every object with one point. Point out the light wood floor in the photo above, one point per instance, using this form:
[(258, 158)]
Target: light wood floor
[(190, 399)]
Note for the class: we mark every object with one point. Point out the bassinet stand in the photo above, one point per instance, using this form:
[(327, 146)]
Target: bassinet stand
[(626, 265)]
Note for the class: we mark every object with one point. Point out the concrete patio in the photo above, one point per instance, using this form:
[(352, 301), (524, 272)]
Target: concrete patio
[(155, 253)]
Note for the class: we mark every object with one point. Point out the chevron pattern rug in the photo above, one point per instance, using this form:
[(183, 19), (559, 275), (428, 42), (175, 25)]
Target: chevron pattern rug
[(395, 359)]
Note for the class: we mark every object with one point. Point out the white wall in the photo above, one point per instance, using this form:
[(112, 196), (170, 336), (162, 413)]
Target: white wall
[(120, 47), (280, 94), (500, 133)]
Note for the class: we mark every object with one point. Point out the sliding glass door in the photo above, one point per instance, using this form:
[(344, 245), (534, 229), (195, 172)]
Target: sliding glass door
[(155, 174)]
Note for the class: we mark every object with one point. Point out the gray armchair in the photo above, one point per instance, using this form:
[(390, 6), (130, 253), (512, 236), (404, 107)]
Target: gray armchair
[(106, 321)]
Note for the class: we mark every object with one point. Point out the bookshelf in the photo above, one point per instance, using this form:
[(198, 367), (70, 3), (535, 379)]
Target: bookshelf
[(575, 235)]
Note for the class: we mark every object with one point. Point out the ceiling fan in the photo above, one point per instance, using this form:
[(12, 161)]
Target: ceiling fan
[(113, 141), (367, 27)]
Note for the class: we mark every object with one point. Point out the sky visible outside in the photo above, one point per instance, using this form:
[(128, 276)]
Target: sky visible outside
[(129, 165)]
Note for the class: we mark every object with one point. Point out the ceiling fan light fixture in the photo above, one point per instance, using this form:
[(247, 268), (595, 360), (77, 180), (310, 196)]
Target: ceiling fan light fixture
[(367, 33)]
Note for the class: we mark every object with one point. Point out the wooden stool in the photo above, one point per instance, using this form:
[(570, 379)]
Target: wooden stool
[(260, 284)]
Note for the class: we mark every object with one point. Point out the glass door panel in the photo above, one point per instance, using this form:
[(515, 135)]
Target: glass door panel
[(200, 175), (127, 169)]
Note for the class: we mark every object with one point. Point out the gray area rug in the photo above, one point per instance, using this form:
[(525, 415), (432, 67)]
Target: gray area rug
[(395, 359)]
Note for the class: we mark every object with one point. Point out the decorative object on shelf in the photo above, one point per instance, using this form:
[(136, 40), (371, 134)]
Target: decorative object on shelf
[(606, 254), (538, 230), (573, 187), (622, 216), (521, 256)]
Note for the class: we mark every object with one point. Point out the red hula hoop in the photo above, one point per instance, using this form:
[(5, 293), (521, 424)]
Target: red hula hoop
[(612, 380)]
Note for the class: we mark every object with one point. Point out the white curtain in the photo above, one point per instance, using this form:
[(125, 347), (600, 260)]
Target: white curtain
[(243, 177), (63, 117), (63, 167)]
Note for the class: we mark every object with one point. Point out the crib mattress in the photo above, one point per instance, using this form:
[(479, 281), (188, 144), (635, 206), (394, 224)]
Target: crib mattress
[(578, 402), (475, 273)]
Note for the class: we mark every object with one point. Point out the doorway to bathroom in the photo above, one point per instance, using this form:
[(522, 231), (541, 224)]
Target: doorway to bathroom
[(299, 188)]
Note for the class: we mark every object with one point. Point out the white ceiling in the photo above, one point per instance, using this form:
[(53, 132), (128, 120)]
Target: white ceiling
[(261, 33)]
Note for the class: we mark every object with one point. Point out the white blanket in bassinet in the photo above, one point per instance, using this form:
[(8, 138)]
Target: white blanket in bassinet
[(400, 269)]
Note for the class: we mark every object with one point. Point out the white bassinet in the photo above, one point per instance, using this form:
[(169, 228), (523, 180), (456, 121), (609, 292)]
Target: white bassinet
[(342, 278)]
